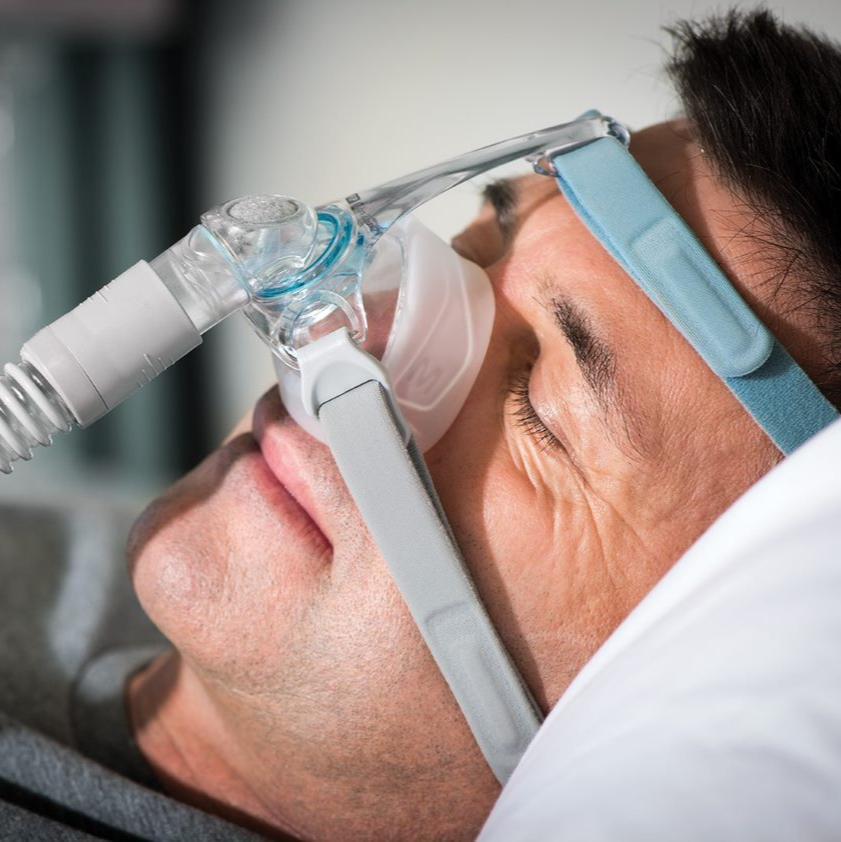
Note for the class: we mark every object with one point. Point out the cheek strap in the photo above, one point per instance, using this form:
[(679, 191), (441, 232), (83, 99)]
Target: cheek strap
[(620, 205), (393, 490)]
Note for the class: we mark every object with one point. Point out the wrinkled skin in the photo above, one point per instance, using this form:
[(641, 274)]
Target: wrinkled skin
[(301, 697)]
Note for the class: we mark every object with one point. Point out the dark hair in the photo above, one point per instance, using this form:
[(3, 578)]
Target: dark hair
[(764, 99)]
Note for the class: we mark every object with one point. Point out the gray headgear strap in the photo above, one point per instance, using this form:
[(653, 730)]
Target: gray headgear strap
[(394, 492)]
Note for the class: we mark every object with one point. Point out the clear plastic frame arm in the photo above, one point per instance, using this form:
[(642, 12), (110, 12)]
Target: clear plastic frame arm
[(379, 208)]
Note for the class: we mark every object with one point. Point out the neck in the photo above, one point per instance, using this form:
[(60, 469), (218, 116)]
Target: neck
[(180, 732)]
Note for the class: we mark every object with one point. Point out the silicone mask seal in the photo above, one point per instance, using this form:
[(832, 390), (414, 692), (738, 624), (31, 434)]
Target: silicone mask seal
[(430, 314)]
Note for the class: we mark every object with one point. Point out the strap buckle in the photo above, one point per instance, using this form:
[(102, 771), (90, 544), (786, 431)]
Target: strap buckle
[(335, 364), (589, 127)]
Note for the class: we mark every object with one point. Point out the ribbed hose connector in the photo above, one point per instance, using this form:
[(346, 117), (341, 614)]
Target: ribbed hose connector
[(31, 412)]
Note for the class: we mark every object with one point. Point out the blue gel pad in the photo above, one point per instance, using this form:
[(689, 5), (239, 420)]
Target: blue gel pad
[(621, 206)]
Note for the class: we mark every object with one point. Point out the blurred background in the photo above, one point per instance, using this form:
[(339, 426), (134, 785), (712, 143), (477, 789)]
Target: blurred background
[(122, 120)]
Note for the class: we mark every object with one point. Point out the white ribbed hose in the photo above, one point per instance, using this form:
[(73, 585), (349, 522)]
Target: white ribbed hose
[(30, 414), (80, 367)]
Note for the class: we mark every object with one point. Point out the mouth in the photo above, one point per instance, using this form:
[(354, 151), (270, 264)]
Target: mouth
[(283, 447)]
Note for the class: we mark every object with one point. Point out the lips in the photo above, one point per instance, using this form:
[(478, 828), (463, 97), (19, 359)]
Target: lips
[(284, 447)]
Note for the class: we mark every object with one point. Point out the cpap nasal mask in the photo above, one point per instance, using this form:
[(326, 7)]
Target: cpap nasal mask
[(378, 330)]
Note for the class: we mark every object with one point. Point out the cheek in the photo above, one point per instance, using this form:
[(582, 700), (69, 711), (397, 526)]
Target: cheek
[(534, 559), (254, 609), (521, 523)]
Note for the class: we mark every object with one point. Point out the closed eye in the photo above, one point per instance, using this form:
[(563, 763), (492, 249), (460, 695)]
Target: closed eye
[(526, 416)]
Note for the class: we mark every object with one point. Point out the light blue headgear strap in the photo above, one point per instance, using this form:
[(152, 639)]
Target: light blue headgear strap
[(621, 206)]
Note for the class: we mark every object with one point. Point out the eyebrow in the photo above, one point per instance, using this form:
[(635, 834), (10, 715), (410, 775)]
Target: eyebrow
[(593, 355), (501, 195), (597, 363)]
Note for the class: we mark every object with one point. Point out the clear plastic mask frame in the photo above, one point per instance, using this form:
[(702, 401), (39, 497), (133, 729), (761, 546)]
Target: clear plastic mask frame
[(305, 267)]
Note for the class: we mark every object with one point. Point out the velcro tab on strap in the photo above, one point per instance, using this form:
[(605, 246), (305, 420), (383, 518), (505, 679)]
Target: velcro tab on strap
[(678, 277)]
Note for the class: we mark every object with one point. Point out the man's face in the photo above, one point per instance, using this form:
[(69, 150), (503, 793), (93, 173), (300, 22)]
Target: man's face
[(594, 448)]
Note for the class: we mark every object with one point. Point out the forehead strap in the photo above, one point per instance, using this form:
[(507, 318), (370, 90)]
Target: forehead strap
[(631, 218)]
